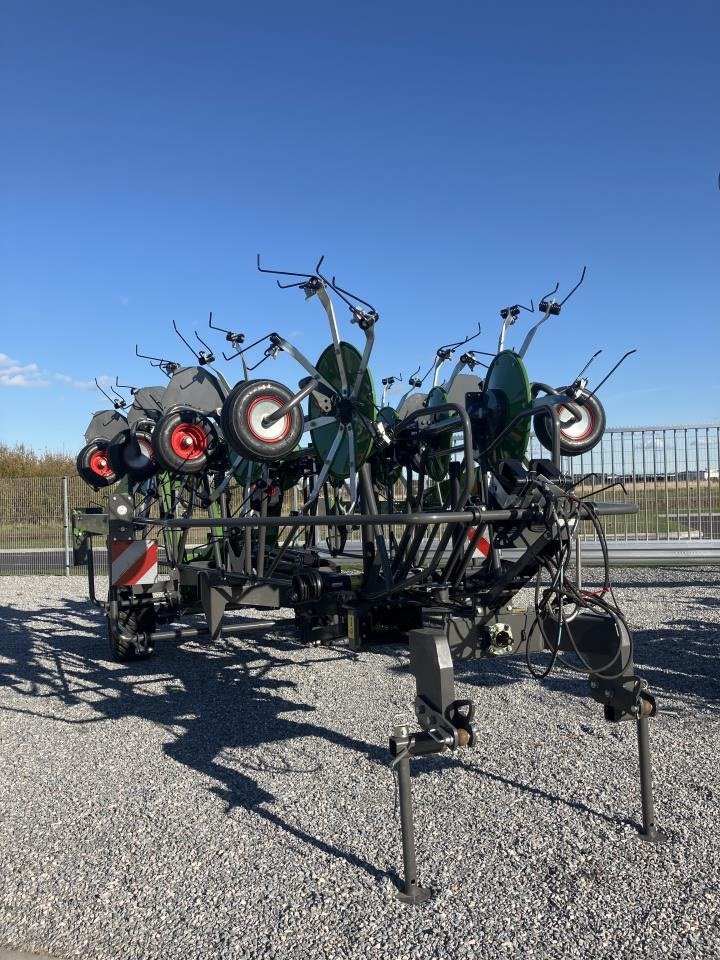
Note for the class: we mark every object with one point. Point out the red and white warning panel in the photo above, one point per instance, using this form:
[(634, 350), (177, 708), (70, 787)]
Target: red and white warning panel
[(133, 562), (482, 547)]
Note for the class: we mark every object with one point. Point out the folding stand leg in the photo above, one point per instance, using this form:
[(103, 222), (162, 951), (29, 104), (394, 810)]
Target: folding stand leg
[(649, 830), (413, 892)]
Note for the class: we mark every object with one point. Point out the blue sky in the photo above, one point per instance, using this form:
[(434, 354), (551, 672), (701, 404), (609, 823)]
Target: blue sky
[(448, 159)]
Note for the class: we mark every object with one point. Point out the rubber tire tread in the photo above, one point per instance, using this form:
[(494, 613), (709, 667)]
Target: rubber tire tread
[(165, 456), (116, 453), (238, 435), (568, 447), (82, 463)]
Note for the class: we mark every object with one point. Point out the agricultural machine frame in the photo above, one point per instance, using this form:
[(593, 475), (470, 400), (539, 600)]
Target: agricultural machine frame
[(478, 521)]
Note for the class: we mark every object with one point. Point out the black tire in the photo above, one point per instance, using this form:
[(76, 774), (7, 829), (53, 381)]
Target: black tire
[(94, 465), (131, 453), (141, 620), (576, 438), (185, 441), (242, 415)]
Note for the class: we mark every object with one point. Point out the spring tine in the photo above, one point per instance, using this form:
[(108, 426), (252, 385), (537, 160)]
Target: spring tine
[(607, 376), (582, 277), (282, 273), (596, 354)]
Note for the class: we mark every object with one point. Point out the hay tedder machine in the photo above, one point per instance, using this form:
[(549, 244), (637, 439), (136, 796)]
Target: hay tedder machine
[(419, 521)]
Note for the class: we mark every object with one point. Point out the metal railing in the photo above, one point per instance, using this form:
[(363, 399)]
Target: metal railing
[(35, 534), (671, 472)]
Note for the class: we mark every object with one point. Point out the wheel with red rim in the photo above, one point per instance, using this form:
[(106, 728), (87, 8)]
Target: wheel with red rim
[(94, 465), (184, 441), (577, 437), (246, 425), (131, 453)]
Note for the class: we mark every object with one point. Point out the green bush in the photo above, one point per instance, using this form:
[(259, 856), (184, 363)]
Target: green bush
[(21, 461)]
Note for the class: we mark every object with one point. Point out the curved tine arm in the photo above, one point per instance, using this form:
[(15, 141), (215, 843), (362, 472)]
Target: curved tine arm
[(329, 310), (439, 361), (608, 375), (582, 277), (321, 477), (126, 386), (410, 388), (532, 331), (344, 294), (551, 293), (455, 371), (281, 273), (369, 341), (145, 356), (214, 326), (596, 354), (507, 322), (117, 393), (231, 356), (107, 395), (304, 362), (175, 327), (461, 343), (404, 397), (209, 349)]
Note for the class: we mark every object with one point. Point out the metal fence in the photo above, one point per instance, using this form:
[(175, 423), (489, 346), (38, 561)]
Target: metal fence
[(35, 534), (671, 472)]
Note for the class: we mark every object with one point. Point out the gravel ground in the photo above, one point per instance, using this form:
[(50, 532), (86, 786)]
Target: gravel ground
[(234, 800)]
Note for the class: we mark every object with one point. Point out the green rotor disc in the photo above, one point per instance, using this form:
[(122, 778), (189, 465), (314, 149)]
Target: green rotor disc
[(324, 437), (508, 381)]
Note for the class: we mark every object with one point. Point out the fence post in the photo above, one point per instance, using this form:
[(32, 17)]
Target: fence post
[(66, 524)]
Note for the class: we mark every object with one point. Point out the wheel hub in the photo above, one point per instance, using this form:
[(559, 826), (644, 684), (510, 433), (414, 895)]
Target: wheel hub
[(189, 441), (344, 410)]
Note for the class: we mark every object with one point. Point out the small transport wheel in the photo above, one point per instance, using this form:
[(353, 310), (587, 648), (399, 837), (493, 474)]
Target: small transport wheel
[(131, 454), (184, 441), (244, 421), (140, 620), (575, 438), (94, 465)]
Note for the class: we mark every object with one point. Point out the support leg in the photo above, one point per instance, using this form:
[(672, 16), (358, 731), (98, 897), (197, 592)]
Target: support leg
[(413, 892), (649, 830)]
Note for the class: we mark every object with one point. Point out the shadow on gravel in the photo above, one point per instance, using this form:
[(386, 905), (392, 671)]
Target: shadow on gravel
[(683, 661), (219, 701)]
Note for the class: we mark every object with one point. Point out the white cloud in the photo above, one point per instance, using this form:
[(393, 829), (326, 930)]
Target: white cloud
[(16, 374), (20, 380)]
